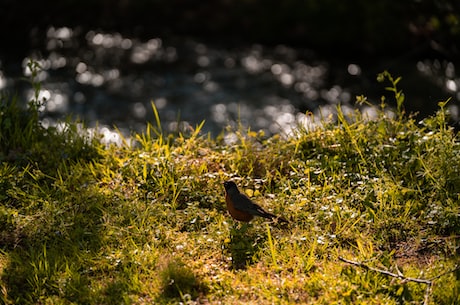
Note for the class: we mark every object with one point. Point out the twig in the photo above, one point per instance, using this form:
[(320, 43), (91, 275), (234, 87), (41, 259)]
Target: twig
[(399, 276), (399, 271), (427, 294), (429, 283), (444, 273)]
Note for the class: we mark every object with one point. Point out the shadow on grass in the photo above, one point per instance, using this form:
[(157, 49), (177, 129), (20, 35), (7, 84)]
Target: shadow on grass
[(244, 245), (51, 226), (178, 282), (50, 258)]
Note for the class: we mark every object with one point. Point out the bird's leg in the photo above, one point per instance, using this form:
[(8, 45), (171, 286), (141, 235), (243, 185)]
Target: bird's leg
[(244, 227), (240, 227)]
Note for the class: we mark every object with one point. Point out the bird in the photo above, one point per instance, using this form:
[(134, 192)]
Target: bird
[(242, 208)]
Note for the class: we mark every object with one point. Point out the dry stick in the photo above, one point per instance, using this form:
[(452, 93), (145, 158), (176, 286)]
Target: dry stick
[(429, 283), (399, 276)]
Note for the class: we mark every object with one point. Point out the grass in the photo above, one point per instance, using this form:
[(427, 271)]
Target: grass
[(83, 223)]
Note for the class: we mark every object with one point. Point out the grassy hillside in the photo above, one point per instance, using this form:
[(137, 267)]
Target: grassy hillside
[(373, 206)]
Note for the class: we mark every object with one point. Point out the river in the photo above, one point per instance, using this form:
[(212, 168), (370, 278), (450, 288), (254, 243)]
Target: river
[(109, 80)]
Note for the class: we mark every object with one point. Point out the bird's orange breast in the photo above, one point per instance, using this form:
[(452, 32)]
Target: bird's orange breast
[(237, 214)]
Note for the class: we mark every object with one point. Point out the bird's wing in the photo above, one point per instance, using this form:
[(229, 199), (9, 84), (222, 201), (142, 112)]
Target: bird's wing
[(243, 203)]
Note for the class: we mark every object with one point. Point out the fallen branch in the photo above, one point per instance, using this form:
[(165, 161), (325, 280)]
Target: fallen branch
[(400, 276)]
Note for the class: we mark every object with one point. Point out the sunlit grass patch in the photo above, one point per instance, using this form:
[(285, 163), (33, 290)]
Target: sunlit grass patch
[(145, 222)]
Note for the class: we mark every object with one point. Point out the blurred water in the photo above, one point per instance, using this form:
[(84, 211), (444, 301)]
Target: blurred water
[(111, 80)]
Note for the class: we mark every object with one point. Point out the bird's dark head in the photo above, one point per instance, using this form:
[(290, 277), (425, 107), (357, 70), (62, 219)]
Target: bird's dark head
[(230, 185)]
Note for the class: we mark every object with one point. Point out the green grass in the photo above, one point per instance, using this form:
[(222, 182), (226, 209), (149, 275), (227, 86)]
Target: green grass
[(82, 223)]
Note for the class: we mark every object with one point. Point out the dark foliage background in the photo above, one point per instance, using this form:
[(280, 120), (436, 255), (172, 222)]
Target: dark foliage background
[(345, 27)]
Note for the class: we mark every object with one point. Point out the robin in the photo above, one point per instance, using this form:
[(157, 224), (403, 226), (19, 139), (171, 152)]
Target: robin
[(242, 208)]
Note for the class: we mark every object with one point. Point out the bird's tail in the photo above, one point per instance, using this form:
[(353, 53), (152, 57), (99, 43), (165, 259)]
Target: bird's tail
[(281, 219), (274, 217)]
